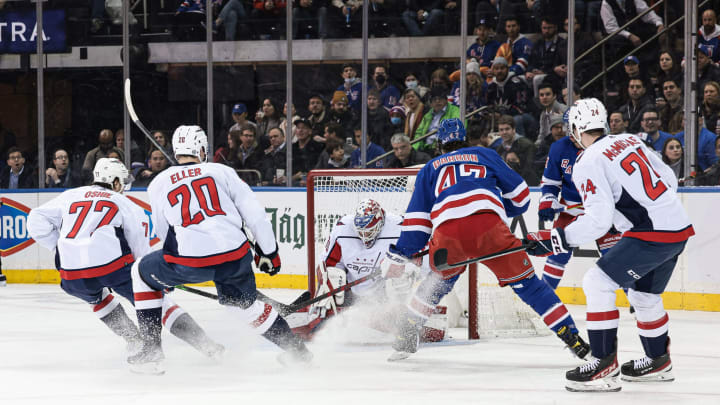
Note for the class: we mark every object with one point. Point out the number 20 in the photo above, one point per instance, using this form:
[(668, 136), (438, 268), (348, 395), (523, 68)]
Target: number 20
[(183, 193)]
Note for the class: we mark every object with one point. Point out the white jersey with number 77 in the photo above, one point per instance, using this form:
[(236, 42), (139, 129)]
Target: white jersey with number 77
[(623, 183)]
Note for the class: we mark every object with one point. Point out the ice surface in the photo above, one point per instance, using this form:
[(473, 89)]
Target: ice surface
[(53, 350)]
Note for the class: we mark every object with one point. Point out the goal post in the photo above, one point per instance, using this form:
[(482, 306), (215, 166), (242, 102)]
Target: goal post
[(476, 303)]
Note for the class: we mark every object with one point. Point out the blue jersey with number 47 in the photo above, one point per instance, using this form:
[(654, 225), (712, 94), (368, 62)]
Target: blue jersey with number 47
[(456, 185)]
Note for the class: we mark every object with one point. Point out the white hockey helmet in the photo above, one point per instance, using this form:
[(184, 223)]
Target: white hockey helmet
[(190, 140), (369, 221), (108, 169), (585, 115)]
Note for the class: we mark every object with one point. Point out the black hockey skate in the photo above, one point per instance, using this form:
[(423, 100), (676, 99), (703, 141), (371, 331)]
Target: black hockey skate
[(406, 341), (3, 280), (148, 360), (595, 375), (658, 369), (574, 342)]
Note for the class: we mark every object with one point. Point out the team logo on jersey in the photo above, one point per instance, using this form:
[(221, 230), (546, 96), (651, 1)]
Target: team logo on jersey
[(13, 227), (148, 212)]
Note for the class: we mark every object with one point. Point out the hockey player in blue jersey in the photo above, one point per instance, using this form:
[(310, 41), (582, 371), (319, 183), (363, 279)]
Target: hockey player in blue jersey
[(560, 195), (624, 184), (468, 188)]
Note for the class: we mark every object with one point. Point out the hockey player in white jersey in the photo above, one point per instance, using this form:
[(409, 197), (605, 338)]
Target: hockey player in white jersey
[(353, 250), (97, 233), (621, 183), (198, 210)]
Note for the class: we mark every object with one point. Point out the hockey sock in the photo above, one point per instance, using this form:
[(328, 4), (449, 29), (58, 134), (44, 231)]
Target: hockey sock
[(543, 300), (602, 341), (150, 326), (118, 322), (185, 328), (554, 269), (655, 346)]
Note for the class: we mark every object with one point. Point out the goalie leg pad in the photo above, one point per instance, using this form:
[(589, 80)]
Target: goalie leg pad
[(543, 300), (337, 278)]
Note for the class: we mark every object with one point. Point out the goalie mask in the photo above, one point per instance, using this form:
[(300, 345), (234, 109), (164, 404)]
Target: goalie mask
[(585, 115), (189, 140), (369, 221), (108, 169)]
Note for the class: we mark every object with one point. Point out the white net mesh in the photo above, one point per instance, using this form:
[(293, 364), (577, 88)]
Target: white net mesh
[(499, 311)]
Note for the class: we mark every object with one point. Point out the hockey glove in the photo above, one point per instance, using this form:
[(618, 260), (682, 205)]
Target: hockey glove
[(393, 264), (547, 208), (267, 263), (546, 243)]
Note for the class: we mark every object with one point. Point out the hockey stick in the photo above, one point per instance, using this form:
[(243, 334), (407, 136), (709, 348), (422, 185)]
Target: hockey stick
[(279, 306), (446, 266), (139, 124)]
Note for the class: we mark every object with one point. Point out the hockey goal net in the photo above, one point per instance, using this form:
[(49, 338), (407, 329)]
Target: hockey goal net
[(476, 303)]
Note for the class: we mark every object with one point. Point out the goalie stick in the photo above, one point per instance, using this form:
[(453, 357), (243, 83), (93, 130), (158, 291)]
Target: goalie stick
[(139, 124)]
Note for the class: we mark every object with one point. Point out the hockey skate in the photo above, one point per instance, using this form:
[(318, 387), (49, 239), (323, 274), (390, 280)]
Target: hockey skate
[(3, 280), (646, 369), (148, 360), (574, 342), (599, 375), (406, 342)]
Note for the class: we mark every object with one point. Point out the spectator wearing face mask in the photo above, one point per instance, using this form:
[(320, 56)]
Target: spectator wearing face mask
[(352, 87), (389, 94), (412, 81), (397, 118)]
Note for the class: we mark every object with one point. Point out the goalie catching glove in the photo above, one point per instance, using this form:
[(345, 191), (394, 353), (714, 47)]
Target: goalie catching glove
[(546, 243), (267, 263)]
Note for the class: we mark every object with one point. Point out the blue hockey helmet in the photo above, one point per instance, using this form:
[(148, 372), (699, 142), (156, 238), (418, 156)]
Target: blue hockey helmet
[(451, 130)]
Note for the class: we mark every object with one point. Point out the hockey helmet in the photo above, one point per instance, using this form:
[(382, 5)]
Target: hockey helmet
[(585, 115), (451, 130), (108, 169), (369, 221), (190, 140)]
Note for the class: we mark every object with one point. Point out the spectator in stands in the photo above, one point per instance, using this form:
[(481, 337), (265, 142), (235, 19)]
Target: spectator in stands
[(227, 154), (305, 151), (440, 110), (232, 15), (397, 120), (521, 146), (709, 34), (618, 123), (163, 140), (476, 88), (136, 154), (371, 152), (106, 143), (318, 117), (518, 10), (341, 114), (517, 46), (239, 116), (414, 109), (587, 67), (389, 94), (274, 161), (631, 65), (706, 70), (60, 174), (549, 109), (478, 134), (711, 175), (669, 69), (267, 117), (378, 120), (283, 121), (428, 13), (352, 86), (486, 13), (637, 101), (157, 164), (404, 155), (652, 135), (336, 156), (17, 174), (615, 16), (546, 63), (484, 48), (672, 155), (268, 18), (510, 95), (706, 156), (412, 81), (710, 109), (334, 130), (310, 19), (440, 78), (249, 156), (557, 132), (515, 162), (671, 109), (192, 12), (576, 94)]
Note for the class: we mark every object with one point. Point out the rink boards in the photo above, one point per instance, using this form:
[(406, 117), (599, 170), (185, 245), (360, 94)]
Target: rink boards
[(695, 285)]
